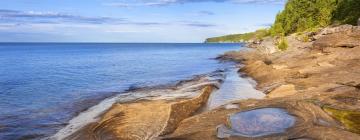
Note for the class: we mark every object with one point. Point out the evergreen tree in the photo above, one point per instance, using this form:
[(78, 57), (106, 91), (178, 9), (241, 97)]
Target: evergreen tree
[(303, 15)]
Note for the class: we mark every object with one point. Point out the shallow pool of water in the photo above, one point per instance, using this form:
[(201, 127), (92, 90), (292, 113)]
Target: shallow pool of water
[(257, 123), (234, 88)]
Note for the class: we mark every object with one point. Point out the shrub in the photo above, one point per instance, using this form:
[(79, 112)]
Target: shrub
[(283, 45), (305, 38)]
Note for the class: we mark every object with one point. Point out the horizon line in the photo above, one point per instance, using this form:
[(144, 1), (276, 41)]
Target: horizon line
[(120, 42)]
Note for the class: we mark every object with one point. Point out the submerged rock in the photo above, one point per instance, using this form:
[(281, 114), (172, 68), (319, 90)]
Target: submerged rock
[(257, 123)]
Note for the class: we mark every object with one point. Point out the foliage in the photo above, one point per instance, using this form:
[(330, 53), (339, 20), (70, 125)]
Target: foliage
[(305, 38), (257, 35), (304, 15), (283, 45), (347, 12)]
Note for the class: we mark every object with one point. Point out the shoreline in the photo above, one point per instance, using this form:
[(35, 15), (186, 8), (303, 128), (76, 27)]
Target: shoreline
[(311, 93), (94, 113), (202, 87), (316, 83)]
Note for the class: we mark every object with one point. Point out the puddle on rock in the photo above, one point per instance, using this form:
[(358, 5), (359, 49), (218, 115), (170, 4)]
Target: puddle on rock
[(234, 88), (257, 123)]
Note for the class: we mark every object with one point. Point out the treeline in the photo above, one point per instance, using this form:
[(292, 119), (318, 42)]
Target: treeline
[(240, 37), (303, 15), (307, 15)]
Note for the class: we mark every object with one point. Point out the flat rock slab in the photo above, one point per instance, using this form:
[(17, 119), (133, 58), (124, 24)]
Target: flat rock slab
[(283, 90), (256, 123), (263, 119), (143, 119)]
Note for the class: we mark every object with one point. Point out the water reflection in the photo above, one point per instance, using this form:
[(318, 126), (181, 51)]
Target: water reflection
[(256, 123), (234, 88)]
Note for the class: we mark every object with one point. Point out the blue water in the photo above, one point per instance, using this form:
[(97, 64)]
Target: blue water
[(44, 85)]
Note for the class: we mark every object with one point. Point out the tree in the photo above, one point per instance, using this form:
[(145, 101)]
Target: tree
[(303, 15)]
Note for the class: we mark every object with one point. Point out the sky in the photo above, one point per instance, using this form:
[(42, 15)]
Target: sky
[(131, 20)]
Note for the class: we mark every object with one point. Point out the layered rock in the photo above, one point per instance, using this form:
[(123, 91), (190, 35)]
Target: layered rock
[(312, 122), (142, 120), (341, 36), (319, 88)]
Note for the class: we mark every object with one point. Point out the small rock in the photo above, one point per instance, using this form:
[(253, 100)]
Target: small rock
[(284, 90)]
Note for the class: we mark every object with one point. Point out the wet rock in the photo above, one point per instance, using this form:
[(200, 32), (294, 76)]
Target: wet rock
[(283, 90), (257, 123), (223, 131), (144, 118), (311, 123), (231, 106), (329, 78), (182, 109)]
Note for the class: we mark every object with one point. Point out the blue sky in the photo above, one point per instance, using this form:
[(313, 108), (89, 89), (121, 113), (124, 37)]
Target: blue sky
[(131, 20)]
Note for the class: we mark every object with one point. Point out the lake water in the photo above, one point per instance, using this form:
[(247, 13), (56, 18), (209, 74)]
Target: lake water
[(44, 85)]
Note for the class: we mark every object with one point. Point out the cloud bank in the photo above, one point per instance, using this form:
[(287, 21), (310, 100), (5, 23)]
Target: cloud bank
[(13, 18), (51, 17)]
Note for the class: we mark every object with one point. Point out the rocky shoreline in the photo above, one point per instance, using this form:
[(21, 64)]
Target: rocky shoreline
[(149, 112), (316, 80), (312, 93)]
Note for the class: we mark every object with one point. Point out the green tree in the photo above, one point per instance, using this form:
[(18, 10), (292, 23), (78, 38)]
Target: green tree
[(303, 15)]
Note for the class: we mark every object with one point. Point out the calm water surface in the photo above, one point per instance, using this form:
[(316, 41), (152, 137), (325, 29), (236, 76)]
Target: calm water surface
[(234, 88), (43, 86)]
